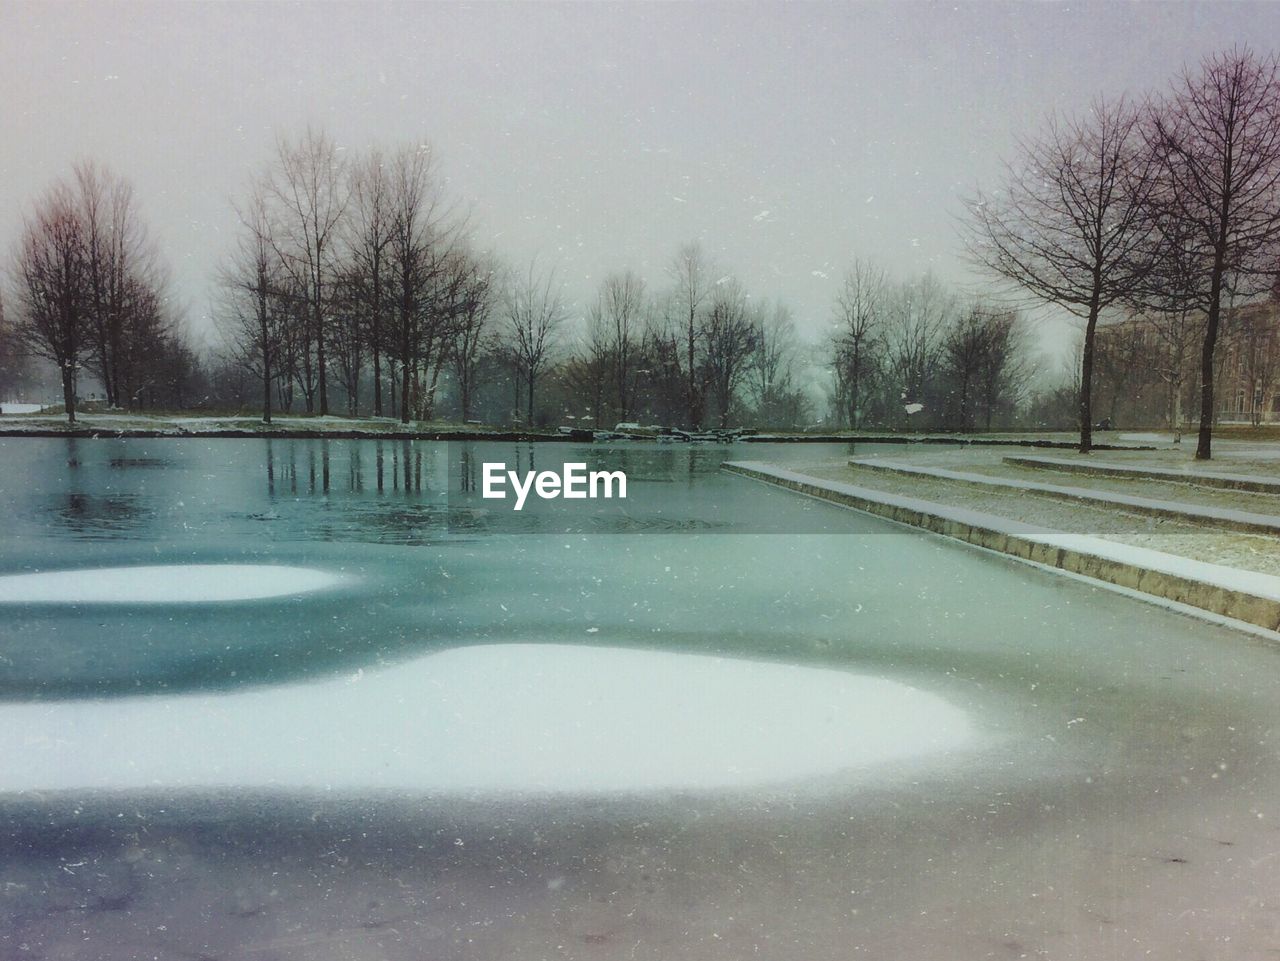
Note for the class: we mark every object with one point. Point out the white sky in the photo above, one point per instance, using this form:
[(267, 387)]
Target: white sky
[(790, 139)]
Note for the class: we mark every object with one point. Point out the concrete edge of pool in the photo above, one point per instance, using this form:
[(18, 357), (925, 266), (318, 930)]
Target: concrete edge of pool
[(1250, 599)]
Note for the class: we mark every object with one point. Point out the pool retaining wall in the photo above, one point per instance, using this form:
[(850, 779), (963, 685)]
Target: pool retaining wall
[(1246, 596)]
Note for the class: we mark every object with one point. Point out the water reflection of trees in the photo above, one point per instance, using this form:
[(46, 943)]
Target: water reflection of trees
[(87, 514), (395, 491), (93, 515), (312, 466)]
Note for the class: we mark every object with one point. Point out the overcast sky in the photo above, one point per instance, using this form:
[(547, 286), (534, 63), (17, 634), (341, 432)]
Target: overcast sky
[(788, 138)]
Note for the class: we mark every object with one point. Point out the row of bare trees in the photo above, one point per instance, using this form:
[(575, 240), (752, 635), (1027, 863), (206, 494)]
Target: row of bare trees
[(346, 268), (917, 355), (89, 293), (1169, 207), (350, 270), (698, 351)]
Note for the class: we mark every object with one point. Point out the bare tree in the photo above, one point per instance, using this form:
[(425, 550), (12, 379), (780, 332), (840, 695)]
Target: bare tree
[(691, 275), (309, 187), (370, 226), (1005, 369), (963, 351), (421, 241), (621, 306), (473, 328), (916, 321), (251, 284), (770, 376), (348, 336), (1069, 223), (590, 369), (1216, 142), (859, 316), (446, 308), (1167, 304), (729, 335), (662, 349), (52, 281), (124, 281), (534, 312)]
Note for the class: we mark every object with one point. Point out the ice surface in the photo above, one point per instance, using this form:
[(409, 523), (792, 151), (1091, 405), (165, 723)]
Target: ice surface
[(499, 718), (20, 408), (164, 584)]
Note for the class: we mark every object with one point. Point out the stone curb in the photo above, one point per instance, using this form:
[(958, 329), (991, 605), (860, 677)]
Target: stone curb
[(1243, 521), (1078, 554), (1222, 481)]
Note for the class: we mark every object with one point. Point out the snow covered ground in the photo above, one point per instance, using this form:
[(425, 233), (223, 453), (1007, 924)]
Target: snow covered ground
[(499, 718)]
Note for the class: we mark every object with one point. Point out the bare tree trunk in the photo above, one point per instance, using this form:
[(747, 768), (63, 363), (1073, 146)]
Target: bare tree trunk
[(1204, 443), (320, 359), (406, 378), (266, 391), (1086, 381), (376, 343), (69, 392)]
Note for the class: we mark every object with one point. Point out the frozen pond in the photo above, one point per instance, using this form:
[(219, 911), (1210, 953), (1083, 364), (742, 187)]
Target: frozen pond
[(349, 709)]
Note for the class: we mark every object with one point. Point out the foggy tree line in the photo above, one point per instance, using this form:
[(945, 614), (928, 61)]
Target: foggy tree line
[(353, 278), (1166, 209), (354, 287), (917, 355), (697, 351), (356, 277)]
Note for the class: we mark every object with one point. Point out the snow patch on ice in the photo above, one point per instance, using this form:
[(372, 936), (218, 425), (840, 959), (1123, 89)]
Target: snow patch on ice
[(529, 718), (164, 584)]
